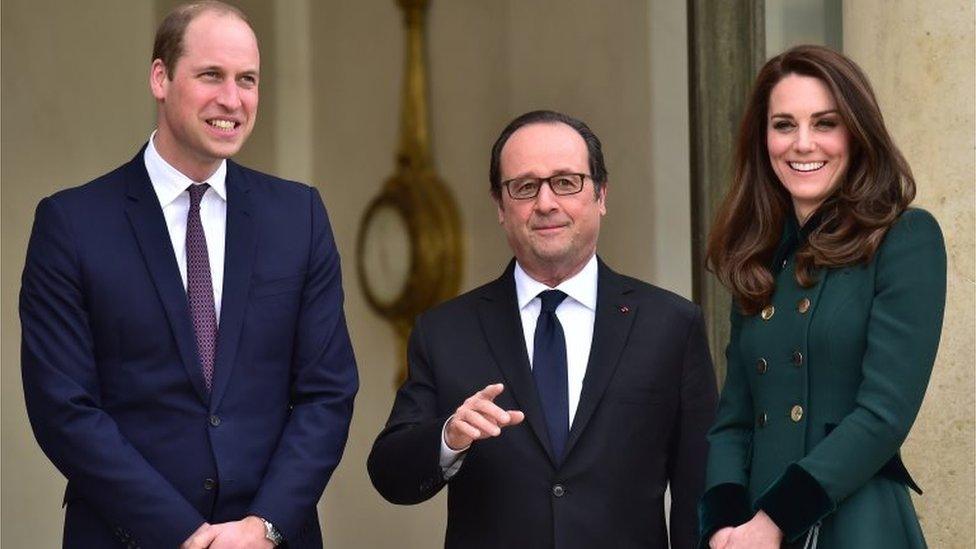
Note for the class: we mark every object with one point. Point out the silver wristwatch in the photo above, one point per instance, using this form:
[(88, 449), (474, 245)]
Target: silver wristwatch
[(272, 533)]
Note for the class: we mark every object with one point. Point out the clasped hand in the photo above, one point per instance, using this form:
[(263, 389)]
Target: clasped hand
[(759, 533), (247, 533)]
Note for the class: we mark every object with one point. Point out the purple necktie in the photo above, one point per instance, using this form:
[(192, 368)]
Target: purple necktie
[(199, 286)]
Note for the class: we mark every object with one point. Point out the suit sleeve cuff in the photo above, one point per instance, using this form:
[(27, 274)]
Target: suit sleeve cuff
[(795, 502), (722, 505)]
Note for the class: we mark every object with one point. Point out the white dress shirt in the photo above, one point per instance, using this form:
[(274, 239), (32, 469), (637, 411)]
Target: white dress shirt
[(170, 186), (576, 314)]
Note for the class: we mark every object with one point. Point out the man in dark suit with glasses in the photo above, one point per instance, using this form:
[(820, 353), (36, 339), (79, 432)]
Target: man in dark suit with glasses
[(558, 402)]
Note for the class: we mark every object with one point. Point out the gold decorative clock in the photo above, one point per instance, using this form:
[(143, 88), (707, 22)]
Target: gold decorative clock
[(409, 248)]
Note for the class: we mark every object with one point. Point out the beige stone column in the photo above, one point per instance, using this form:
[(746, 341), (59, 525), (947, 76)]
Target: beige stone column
[(920, 59)]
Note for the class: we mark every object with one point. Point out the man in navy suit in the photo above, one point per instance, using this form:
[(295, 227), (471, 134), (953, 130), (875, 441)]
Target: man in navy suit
[(185, 357), (558, 402)]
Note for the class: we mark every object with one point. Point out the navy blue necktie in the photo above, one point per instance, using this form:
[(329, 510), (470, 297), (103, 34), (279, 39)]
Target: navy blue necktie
[(549, 370)]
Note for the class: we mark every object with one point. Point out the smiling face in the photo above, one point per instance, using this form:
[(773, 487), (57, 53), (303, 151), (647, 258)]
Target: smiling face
[(207, 107), (553, 237), (807, 141)]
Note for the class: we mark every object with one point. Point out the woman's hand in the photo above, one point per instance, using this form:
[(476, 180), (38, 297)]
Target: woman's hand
[(720, 538), (759, 533)]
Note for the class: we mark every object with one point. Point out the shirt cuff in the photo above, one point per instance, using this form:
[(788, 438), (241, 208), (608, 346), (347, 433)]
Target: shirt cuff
[(450, 460)]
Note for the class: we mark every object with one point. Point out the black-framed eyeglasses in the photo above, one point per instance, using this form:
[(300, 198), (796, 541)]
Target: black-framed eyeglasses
[(561, 184)]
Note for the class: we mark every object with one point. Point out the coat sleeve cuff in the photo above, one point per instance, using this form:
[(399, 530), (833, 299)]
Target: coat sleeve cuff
[(722, 505), (795, 502)]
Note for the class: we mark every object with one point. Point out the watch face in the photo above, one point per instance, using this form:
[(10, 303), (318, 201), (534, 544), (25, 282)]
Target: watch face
[(386, 254)]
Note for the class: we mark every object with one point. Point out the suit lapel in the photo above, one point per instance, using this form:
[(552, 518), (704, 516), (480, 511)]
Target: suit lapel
[(502, 325), (611, 328), (238, 260), (147, 221)]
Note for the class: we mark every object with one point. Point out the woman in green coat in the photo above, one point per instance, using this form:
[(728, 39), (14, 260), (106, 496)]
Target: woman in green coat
[(839, 291)]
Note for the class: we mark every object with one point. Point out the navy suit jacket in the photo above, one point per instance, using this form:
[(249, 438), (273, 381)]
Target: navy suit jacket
[(648, 398), (112, 377)]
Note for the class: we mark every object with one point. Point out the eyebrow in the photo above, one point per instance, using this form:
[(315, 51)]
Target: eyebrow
[(528, 175), (220, 69), (815, 115)]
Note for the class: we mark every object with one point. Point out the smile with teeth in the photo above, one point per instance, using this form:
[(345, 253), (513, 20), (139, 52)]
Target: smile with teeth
[(806, 166), (223, 124)]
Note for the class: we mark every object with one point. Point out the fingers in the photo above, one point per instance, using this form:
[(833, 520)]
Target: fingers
[(201, 538), (479, 418), (491, 391), (517, 417)]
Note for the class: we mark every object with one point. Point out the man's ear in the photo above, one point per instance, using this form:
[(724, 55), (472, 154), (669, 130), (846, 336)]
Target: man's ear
[(501, 209), (602, 199), (158, 79)]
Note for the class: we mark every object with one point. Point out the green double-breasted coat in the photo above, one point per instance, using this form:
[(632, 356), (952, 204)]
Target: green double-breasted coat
[(822, 389)]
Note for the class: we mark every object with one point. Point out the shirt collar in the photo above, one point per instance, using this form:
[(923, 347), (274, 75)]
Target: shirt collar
[(581, 287), (169, 183)]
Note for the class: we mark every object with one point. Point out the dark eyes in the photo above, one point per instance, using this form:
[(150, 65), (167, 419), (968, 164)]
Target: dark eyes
[(822, 124)]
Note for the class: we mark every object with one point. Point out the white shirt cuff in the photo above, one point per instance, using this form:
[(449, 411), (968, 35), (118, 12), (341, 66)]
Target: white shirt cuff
[(450, 460)]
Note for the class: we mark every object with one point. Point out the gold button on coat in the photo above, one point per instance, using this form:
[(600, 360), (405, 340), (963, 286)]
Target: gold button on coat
[(767, 312), (796, 413), (762, 366), (803, 305), (797, 358)]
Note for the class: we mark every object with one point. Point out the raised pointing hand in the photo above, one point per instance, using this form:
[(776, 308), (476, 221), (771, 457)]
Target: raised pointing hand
[(478, 418)]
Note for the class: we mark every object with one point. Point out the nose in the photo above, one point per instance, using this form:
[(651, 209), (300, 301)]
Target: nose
[(804, 139), (546, 201), (229, 96)]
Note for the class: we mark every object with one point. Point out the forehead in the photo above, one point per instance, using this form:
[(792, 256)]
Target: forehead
[(221, 38), (540, 149), (796, 94)]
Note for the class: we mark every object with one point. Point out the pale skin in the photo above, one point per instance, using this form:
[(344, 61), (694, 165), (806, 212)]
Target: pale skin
[(247, 533), (759, 533), (553, 237), (478, 418)]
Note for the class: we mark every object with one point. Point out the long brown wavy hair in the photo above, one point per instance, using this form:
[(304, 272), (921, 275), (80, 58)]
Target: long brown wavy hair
[(876, 188)]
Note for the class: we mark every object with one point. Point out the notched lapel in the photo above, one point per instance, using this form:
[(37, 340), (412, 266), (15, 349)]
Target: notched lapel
[(238, 261), (614, 318), (147, 221), (502, 325)]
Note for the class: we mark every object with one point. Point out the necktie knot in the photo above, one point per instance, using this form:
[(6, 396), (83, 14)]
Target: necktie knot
[(551, 299), (196, 193)]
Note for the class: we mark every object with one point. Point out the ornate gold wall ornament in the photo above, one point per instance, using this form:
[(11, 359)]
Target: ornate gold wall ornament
[(409, 250)]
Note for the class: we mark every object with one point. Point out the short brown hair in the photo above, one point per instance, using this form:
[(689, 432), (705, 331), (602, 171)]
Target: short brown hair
[(168, 45), (869, 197)]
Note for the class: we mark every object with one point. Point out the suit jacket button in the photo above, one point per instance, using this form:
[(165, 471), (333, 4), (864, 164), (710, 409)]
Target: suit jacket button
[(797, 359), (209, 484), (558, 491), (761, 420), (215, 420), (796, 413), (768, 312), (803, 305), (762, 366)]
